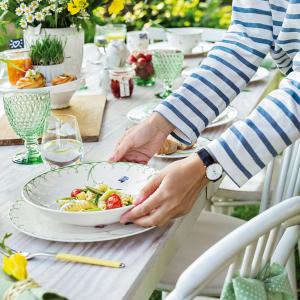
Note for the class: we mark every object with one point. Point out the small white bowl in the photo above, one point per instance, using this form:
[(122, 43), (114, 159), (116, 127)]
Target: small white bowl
[(60, 94), (184, 39), (51, 71), (42, 191)]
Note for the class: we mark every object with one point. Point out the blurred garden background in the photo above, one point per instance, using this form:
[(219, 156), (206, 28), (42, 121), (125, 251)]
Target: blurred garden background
[(137, 14)]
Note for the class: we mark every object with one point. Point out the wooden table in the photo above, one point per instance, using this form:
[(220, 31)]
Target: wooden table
[(147, 256)]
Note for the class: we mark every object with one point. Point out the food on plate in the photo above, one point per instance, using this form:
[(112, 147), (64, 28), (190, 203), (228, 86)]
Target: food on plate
[(98, 198), (168, 147), (31, 80), (64, 78), (171, 145)]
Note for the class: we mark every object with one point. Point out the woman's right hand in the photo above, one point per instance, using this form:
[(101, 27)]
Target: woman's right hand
[(141, 142)]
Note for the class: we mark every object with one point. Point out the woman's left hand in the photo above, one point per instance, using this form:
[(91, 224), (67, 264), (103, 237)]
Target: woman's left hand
[(170, 194)]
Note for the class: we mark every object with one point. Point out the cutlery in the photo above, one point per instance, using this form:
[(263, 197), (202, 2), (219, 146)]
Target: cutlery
[(70, 258)]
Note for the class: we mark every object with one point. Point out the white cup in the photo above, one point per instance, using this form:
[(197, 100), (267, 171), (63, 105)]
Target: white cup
[(137, 41)]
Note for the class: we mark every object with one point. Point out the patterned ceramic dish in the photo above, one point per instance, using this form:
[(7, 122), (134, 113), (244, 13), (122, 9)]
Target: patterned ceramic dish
[(42, 191), (25, 219)]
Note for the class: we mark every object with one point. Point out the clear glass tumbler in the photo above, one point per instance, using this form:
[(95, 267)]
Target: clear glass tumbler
[(61, 143)]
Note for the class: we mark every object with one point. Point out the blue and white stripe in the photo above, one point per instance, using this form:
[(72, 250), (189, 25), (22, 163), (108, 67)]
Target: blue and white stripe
[(257, 27)]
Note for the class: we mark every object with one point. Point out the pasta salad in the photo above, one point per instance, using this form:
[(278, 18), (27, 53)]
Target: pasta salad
[(98, 198)]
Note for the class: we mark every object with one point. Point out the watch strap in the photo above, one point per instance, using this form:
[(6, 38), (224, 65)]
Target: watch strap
[(205, 156)]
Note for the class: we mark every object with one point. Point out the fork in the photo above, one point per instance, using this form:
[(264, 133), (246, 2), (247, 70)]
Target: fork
[(68, 257)]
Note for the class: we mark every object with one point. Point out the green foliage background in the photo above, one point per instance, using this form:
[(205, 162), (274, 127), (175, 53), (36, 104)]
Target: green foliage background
[(167, 13)]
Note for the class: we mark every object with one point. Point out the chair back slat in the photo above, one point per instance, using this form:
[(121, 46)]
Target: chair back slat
[(234, 267), (286, 245), (270, 246), (257, 260), (247, 259), (294, 154), (282, 179), (265, 196)]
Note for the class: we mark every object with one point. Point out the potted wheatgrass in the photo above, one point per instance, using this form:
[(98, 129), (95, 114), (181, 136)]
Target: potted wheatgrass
[(47, 56)]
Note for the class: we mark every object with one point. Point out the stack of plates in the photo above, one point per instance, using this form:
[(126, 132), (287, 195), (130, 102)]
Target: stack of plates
[(38, 215)]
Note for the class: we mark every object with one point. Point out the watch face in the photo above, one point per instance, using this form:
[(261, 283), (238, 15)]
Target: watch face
[(214, 172)]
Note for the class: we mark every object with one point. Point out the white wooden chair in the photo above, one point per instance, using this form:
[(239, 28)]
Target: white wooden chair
[(271, 236), (211, 227)]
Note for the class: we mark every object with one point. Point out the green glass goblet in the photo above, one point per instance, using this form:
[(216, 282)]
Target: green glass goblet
[(167, 66), (27, 113)]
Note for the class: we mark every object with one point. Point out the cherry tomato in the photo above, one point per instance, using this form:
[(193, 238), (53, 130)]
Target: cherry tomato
[(114, 201), (75, 192)]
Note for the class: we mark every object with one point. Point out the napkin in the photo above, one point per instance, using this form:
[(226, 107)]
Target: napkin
[(271, 284), (24, 290)]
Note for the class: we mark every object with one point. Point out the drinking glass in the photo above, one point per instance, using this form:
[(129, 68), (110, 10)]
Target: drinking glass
[(18, 62), (167, 66), (61, 143), (110, 32), (27, 113)]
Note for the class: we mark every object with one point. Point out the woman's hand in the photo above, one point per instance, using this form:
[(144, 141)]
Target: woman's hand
[(141, 142), (170, 194)]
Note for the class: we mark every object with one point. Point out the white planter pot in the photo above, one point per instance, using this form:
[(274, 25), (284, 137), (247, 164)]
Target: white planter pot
[(73, 38), (51, 72)]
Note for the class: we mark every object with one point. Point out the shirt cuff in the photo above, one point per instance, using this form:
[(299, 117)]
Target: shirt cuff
[(182, 132), (217, 151)]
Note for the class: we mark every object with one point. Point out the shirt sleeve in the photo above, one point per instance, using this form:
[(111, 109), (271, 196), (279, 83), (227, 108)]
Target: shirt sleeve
[(249, 145), (223, 74)]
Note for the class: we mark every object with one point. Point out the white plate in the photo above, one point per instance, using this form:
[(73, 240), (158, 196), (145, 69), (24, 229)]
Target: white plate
[(141, 112), (42, 191), (201, 49), (185, 153), (60, 94), (260, 74), (26, 220), (227, 116)]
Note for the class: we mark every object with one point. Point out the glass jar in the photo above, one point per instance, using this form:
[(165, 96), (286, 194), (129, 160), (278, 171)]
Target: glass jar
[(144, 71), (18, 62), (121, 82)]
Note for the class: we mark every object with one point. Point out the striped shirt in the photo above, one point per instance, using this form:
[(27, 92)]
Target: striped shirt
[(257, 28)]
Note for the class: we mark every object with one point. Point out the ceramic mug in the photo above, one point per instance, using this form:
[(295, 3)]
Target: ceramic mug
[(137, 41)]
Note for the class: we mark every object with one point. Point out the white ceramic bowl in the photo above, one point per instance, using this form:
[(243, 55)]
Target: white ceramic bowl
[(184, 39), (60, 94), (42, 191)]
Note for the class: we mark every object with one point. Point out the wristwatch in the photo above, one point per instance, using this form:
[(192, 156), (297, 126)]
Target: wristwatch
[(214, 170)]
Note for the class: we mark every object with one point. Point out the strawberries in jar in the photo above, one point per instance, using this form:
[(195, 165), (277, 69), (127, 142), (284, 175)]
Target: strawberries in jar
[(121, 82), (142, 63)]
